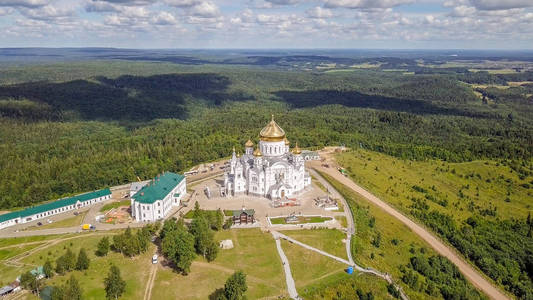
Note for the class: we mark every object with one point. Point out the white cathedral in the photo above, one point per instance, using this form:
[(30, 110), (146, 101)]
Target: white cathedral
[(271, 170)]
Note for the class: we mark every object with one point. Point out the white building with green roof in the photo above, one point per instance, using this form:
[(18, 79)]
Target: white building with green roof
[(53, 208), (156, 199)]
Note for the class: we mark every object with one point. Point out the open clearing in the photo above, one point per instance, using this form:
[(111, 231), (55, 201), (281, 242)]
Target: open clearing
[(328, 240), (460, 188)]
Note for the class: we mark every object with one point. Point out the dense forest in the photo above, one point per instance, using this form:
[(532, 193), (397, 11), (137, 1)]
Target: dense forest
[(84, 131)]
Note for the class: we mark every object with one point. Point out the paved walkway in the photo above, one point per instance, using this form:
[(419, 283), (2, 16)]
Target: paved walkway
[(291, 287), (477, 279)]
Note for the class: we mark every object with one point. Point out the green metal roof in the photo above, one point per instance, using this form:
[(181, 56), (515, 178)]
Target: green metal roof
[(249, 212), (158, 188), (54, 205)]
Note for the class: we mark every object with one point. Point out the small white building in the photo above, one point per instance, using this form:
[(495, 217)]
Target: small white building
[(53, 208), (310, 155), (156, 199)]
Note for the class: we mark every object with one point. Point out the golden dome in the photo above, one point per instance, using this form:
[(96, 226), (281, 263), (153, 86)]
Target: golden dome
[(296, 149), (272, 132), (257, 152), (287, 142), (249, 143)]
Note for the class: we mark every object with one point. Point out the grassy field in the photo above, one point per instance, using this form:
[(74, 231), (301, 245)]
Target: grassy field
[(458, 189), (91, 280), (397, 242), (254, 253), (301, 220), (117, 204), (342, 220), (341, 283), (308, 267), (5, 242), (320, 277), (329, 240)]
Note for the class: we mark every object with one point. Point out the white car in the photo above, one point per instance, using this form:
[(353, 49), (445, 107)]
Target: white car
[(154, 259)]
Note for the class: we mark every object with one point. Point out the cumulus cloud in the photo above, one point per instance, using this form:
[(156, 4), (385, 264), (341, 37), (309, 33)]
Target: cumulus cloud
[(164, 18), (319, 13), (47, 12), (183, 3), (501, 4), (130, 2), (283, 2), (365, 3), (205, 10), (23, 3)]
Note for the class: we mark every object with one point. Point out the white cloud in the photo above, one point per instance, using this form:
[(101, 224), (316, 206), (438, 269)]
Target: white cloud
[(205, 10), (365, 3), (23, 3), (130, 2), (182, 3), (283, 2), (164, 18), (319, 13), (501, 4), (47, 12), (463, 11), (4, 11)]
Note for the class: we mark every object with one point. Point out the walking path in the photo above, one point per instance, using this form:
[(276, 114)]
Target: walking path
[(468, 271), (342, 260), (151, 280), (291, 287)]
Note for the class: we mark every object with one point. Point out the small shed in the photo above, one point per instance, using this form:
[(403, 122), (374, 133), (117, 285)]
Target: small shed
[(226, 244)]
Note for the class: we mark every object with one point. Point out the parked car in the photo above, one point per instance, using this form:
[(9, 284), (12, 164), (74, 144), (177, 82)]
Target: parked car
[(92, 227), (154, 259)]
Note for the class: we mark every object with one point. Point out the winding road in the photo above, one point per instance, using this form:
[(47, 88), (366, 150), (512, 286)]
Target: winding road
[(465, 268)]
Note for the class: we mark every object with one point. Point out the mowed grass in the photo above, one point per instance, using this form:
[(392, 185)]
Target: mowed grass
[(5, 242), (115, 204), (134, 271), (457, 189), (7, 253), (309, 267), (328, 240), (68, 222), (254, 253), (397, 242), (328, 288), (301, 220)]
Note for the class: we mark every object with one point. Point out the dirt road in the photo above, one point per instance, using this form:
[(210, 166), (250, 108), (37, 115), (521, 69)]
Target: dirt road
[(468, 271)]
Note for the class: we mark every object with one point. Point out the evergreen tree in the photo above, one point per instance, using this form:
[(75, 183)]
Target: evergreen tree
[(60, 265), (69, 260), (168, 226), (57, 293), (211, 251), (236, 286), (103, 246), (83, 260), (178, 247), (114, 284), (48, 270), (30, 282), (72, 290), (203, 235)]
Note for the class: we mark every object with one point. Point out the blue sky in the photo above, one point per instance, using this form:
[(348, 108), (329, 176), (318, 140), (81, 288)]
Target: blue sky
[(391, 24)]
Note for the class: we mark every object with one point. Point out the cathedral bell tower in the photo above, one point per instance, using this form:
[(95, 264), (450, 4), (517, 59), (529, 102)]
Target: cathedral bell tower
[(249, 147)]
